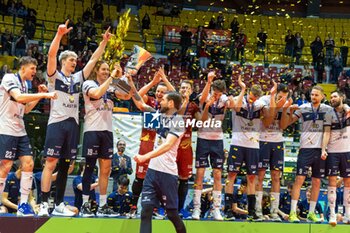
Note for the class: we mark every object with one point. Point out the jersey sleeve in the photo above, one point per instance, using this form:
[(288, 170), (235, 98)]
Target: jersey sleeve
[(9, 82), (179, 129), (87, 86)]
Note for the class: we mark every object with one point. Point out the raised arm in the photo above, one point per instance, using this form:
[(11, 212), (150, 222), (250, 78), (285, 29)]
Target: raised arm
[(55, 44), (205, 92), (238, 101), (165, 80), (206, 108), (138, 101), (97, 54), (270, 112), (144, 90)]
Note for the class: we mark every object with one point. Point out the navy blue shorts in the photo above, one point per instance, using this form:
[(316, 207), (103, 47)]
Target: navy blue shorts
[(209, 148), (238, 155), (160, 187), (98, 144), (311, 157), (338, 163), (12, 147), (62, 139), (271, 154)]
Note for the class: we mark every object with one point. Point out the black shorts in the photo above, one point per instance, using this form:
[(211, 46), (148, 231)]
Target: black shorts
[(62, 139), (338, 163), (238, 155), (209, 148), (311, 157), (12, 147), (160, 187), (271, 154), (98, 144)]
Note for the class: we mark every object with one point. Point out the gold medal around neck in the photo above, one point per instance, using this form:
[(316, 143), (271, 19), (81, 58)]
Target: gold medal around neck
[(160, 141), (314, 125), (71, 98), (106, 105)]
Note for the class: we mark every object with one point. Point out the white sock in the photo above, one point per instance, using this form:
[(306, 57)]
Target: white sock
[(346, 201), (26, 185), (2, 186), (332, 197), (275, 201), (197, 198), (259, 196), (312, 207), (85, 198), (217, 199), (293, 206), (103, 200)]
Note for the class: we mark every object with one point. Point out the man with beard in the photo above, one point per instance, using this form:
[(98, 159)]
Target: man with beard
[(160, 184), (62, 135), (121, 164), (314, 117), (148, 135), (336, 151), (184, 160), (271, 152)]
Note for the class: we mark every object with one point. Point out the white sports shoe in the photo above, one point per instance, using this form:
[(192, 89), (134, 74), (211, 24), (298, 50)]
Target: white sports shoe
[(43, 209), (260, 215), (333, 220), (217, 215), (62, 210), (196, 215), (346, 219)]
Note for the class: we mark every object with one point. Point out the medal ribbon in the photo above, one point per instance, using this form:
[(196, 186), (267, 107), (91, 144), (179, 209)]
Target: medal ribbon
[(70, 82), (342, 120), (23, 85), (315, 114), (250, 109)]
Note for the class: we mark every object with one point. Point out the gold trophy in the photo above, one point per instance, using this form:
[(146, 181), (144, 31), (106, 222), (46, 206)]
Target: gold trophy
[(136, 60)]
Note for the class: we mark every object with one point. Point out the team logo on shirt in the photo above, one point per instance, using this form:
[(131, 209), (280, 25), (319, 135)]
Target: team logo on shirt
[(151, 120)]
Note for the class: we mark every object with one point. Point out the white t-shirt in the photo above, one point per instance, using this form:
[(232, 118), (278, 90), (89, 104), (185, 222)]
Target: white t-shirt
[(273, 133), (98, 112), (340, 133), (167, 162), (67, 103), (313, 121), (246, 126), (12, 112), (216, 112)]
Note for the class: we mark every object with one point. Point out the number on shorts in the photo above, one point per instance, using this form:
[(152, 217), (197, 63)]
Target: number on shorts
[(50, 151)]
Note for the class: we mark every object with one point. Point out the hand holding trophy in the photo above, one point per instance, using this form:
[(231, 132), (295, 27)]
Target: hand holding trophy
[(137, 59)]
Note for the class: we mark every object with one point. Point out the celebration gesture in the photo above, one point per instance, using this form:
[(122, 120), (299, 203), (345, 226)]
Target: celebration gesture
[(106, 36), (241, 83), (117, 72), (42, 88), (274, 88), (140, 158), (288, 103), (63, 28), (211, 76)]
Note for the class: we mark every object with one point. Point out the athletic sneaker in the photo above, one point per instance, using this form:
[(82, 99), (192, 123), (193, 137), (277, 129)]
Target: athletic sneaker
[(43, 209), (260, 215), (157, 215), (105, 211), (85, 210), (132, 213), (25, 210), (311, 217), (229, 216), (293, 217), (62, 210), (254, 218), (275, 217), (346, 219), (333, 220), (217, 214), (196, 215)]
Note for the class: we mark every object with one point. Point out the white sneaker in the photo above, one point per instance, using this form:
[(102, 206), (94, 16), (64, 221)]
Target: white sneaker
[(275, 217), (62, 210), (196, 215), (260, 215), (333, 220), (346, 219), (217, 215), (43, 209)]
